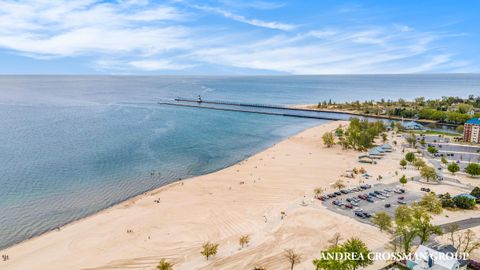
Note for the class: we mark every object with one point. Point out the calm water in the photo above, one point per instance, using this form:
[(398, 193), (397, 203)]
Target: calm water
[(71, 146)]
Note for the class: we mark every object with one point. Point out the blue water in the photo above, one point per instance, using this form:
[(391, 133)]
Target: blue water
[(73, 145)]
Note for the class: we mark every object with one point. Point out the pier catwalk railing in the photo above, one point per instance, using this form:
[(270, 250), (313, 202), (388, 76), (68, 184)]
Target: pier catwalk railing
[(255, 108), (255, 105)]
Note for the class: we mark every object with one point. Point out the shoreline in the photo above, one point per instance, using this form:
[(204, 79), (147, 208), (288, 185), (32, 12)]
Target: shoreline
[(146, 193), (55, 241), (312, 107)]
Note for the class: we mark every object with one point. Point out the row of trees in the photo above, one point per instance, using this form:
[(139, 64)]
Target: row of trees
[(210, 249), (448, 109), (426, 171), (359, 135)]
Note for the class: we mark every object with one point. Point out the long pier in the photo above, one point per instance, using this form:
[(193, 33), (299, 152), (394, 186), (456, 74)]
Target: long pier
[(189, 103), (255, 105)]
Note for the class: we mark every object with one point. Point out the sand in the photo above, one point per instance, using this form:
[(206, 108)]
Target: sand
[(246, 198)]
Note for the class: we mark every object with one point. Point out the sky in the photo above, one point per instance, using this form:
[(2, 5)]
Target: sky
[(229, 37)]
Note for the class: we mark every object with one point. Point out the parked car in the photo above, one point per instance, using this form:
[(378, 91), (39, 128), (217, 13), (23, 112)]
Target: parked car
[(349, 206), (370, 199), (368, 215), (401, 198), (358, 209), (388, 205), (401, 202), (425, 189), (354, 203), (338, 193)]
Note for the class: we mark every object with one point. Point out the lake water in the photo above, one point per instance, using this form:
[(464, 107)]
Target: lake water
[(73, 145)]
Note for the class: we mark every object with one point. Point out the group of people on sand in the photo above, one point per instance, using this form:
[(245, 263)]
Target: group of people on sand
[(129, 231), (5, 257), (157, 200)]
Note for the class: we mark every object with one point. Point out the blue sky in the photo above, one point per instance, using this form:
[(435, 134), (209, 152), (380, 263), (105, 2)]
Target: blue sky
[(239, 37)]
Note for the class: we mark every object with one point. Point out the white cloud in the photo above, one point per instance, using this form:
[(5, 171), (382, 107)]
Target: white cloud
[(139, 35), (242, 19), (152, 65)]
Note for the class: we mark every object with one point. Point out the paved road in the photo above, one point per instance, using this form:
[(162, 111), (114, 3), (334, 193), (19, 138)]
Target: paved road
[(465, 223)]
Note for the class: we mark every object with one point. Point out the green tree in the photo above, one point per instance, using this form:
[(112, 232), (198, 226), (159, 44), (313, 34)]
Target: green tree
[(209, 249), (293, 258), (403, 215), (428, 173), (476, 192), (419, 163), (444, 161), (339, 131), (403, 163), (432, 150), (405, 235), (327, 260), (164, 265), (453, 167), (422, 141), (384, 137), (383, 221), (447, 201), (328, 139), (473, 169), (361, 251), (421, 224), (410, 157), (464, 202), (431, 203), (403, 180)]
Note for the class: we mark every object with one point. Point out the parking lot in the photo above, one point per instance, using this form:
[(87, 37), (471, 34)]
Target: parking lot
[(452, 151), (375, 205)]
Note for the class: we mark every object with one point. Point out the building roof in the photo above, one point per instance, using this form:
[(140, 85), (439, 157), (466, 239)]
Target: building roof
[(474, 121), (466, 195), (412, 125), (374, 152), (424, 252), (386, 146)]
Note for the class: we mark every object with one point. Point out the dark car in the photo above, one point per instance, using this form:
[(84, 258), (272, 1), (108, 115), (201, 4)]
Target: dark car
[(401, 198), (349, 206), (349, 199), (360, 214), (370, 199), (338, 193), (387, 205), (368, 215)]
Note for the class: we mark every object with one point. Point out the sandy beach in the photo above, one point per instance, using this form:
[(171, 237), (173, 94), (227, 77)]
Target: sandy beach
[(246, 198)]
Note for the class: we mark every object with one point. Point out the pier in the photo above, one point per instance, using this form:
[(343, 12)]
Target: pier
[(248, 111), (267, 109)]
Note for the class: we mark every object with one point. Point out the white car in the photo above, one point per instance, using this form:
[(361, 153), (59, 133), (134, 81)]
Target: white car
[(357, 209)]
